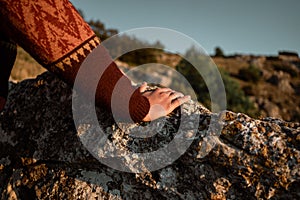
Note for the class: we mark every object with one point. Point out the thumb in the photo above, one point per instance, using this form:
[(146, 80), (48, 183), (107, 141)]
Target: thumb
[(143, 87)]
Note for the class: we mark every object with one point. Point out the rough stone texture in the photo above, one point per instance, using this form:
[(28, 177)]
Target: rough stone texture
[(42, 157)]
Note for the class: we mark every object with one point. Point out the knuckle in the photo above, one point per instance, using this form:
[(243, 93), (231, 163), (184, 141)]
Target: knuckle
[(158, 90)]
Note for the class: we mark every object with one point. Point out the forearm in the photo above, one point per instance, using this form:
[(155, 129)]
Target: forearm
[(59, 39)]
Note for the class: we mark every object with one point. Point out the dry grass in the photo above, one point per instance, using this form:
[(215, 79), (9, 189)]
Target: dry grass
[(25, 67)]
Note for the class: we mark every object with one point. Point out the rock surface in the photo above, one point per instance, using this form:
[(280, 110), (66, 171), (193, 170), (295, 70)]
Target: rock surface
[(42, 155)]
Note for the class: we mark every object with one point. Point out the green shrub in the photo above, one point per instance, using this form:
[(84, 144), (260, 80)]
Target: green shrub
[(140, 56), (237, 101), (252, 74)]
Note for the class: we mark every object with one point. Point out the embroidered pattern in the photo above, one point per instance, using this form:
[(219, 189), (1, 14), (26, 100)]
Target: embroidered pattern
[(53, 28), (76, 56)]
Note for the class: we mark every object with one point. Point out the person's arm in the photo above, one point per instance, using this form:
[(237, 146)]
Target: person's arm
[(62, 41)]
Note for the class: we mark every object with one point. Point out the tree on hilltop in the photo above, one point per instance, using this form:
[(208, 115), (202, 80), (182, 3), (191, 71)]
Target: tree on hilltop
[(219, 52)]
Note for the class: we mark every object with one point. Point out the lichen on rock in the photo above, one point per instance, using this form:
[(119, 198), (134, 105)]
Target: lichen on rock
[(43, 156)]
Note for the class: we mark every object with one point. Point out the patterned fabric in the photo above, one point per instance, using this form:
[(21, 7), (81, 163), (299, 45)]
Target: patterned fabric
[(52, 27), (54, 34), (77, 54), (67, 66)]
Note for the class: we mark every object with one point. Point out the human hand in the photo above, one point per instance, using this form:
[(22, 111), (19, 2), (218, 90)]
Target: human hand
[(162, 101)]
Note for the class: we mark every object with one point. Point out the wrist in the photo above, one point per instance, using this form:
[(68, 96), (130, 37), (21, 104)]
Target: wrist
[(139, 107)]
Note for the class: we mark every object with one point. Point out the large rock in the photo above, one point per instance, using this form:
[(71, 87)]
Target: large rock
[(43, 157)]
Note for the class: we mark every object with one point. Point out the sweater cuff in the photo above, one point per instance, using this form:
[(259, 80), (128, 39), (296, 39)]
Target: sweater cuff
[(139, 106)]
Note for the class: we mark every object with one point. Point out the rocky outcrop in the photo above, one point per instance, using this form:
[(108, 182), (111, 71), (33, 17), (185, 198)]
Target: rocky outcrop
[(43, 156)]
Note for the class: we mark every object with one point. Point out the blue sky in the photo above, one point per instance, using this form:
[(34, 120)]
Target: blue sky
[(237, 26)]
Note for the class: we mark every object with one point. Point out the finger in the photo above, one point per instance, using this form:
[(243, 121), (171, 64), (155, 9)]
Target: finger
[(162, 90), (176, 95), (179, 101), (143, 87), (166, 94)]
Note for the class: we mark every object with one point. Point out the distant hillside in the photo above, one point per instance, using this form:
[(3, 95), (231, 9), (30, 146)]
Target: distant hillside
[(271, 83)]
